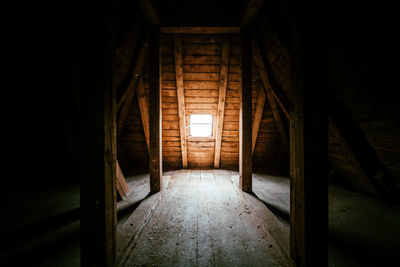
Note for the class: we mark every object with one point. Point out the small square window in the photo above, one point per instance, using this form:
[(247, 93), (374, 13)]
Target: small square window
[(200, 125)]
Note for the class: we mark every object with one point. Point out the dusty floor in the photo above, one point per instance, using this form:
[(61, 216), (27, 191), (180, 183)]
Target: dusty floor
[(200, 220), (362, 231)]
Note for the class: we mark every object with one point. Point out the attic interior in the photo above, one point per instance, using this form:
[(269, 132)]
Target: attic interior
[(176, 133)]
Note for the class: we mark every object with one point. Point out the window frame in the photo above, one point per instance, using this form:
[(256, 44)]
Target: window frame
[(210, 123)]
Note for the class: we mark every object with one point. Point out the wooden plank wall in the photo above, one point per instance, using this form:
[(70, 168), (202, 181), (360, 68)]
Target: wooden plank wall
[(201, 56), (171, 146), (230, 130), (133, 153)]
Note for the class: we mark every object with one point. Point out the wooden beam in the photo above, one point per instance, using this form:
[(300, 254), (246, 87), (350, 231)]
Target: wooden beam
[(251, 11), (200, 30), (180, 91), (277, 92), (245, 114), (257, 117), (125, 54), (278, 120), (356, 145), (122, 186), (149, 11), (155, 109), (308, 153), (359, 182), (97, 139), (268, 91), (137, 71), (144, 110), (223, 81), (125, 102)]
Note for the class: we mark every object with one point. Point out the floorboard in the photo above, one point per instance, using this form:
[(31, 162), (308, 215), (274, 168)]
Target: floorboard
[(201, 220)]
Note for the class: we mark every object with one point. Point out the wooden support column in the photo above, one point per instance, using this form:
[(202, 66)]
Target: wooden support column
[(144, 110), (97, 138), (308, 152), (257, 117), (223, 81), (180, 91), (155, 109), (245, 115)]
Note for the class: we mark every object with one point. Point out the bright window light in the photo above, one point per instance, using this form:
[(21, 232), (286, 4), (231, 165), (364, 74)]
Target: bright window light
[(200, 125)]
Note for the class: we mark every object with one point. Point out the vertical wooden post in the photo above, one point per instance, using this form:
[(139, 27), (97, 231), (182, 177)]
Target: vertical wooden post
[(98, 139), (155, 109), (308, 152), (245, 123)]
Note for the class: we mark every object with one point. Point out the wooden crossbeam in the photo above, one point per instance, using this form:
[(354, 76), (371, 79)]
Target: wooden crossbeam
[(122, 186), (144, 109), (223, 81), (251, 11), (277, 92), (126, 51), (181, 97), (141, 58), (200, 30), (278, 120), (258, 116), (268, 91), (126, 100)]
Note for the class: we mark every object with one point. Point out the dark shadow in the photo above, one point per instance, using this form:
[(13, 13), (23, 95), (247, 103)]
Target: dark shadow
[(27, 233), (362, 251), (30, 246), (125, 212), (275, 210), (363, 151)]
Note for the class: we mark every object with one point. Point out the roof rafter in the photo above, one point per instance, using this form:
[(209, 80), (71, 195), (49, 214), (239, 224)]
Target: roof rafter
[(358, 147), (126, 99), (269, 93), (181, 97), (125, 52), (258, 116), (223, 81), (144, 110)]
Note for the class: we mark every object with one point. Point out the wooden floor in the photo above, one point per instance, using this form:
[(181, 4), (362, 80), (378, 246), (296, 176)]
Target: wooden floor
[(199, 219)]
